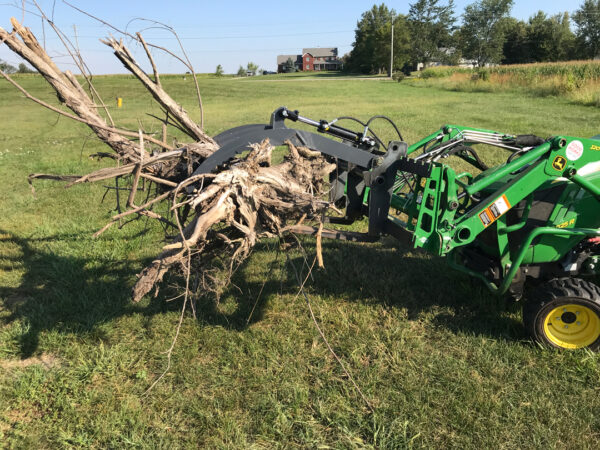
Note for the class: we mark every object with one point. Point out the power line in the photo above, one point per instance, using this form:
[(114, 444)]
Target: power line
[(189, 38), (242, 50)]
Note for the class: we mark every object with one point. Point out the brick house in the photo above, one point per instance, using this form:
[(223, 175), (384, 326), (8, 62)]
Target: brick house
[(312, 60), (318, 59)]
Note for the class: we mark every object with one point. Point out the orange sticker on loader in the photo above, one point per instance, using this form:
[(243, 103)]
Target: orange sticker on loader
[(496, 210)]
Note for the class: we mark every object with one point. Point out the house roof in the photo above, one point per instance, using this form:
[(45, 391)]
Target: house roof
[(321, 51), (282, 59)]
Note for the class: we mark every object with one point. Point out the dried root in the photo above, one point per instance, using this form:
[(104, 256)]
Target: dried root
[(219, 217), (248, 201)]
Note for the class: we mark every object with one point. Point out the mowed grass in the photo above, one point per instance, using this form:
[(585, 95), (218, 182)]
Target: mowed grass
[(445, 364)]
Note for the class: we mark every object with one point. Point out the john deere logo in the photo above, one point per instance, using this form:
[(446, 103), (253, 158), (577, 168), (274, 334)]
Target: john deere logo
[(559, 163), (595, 147)]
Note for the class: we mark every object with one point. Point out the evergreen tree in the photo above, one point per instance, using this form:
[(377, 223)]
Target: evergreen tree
[(371, 49), (241, 72), (550, 38), (431, 27), (516, 45), (289, 66), (219, 71)]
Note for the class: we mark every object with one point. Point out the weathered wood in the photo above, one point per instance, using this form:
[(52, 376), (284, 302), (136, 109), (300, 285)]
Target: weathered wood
[(154, 87), (255, 199), (73, 97), (221, 216)]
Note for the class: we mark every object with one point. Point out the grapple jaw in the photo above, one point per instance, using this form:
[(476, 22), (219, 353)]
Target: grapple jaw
[(365, 175)]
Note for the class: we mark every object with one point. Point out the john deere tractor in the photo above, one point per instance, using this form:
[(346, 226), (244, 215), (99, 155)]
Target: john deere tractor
[(534, 217)]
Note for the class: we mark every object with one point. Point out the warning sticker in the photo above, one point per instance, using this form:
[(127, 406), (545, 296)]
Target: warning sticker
[(574, 150), (499, 207), (485, 218), (494, 211)]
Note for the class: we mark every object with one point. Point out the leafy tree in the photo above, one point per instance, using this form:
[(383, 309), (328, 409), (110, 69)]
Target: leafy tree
[(241, 72), (515, 50), (252, 68), (587, 18), (289, 66), (23, 68), (431, 26), (219, 71), (483, 34), (550, 38), (6, 67), (372, 40)]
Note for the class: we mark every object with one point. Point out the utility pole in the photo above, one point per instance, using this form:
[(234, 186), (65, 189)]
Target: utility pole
[(392, 50)]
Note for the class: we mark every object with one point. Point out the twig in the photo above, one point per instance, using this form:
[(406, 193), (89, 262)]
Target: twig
[(164, 128), (131, 211), (136, 176), (186, 62), (177, 330), (44, 176), (158, 180), (150, 58), (319, 246), (314, 319), (185, 300), (175, 109), (272, 265), (77, 59)]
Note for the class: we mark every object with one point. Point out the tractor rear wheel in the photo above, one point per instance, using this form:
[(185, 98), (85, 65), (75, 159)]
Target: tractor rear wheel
[(565, 313)]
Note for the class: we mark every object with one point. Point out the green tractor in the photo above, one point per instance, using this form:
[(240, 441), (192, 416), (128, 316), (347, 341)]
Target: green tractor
[(534, 217)]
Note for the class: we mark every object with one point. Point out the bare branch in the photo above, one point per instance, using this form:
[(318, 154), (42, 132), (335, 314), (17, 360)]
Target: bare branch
[(67, 88), (174, 109), (150, 58), (79, 119), (185, 62)]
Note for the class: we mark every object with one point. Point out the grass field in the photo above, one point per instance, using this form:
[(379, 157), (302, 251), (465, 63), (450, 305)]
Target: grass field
[(444, 363)]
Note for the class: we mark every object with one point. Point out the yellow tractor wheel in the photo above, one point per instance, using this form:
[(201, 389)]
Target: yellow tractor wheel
[(565, 313)]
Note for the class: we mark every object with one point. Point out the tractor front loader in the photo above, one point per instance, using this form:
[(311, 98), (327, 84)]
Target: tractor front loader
[(534, 217)]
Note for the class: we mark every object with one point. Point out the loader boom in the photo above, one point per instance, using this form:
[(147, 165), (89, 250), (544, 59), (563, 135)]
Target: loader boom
[(531, 216), (534, 216)]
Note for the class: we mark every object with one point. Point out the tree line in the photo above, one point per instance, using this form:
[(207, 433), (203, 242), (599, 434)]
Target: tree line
[(487, 34), (10, 69)]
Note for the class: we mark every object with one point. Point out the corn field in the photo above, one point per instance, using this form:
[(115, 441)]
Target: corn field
[(578, 81)]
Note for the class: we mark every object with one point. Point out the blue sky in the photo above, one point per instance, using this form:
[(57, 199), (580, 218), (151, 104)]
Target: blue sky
[(229, 33)]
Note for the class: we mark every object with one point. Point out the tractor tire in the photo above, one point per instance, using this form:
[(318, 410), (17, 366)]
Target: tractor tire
[(565, 313)]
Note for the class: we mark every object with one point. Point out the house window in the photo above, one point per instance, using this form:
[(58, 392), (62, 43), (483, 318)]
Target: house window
[(307, 59), (308, 67)]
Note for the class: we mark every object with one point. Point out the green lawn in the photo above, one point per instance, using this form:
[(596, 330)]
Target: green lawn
[(444, 363)]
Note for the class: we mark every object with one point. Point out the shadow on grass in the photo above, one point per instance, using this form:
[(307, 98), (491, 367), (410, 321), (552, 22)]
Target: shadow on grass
[(73, 295), (390, 275), (64, 293)]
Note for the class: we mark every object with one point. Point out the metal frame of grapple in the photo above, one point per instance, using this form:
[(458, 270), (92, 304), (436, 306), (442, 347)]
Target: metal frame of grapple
[(443, 212), (362, 167), (449, 212)]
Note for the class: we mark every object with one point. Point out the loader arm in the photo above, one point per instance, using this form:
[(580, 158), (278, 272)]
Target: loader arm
[(488, 225)]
